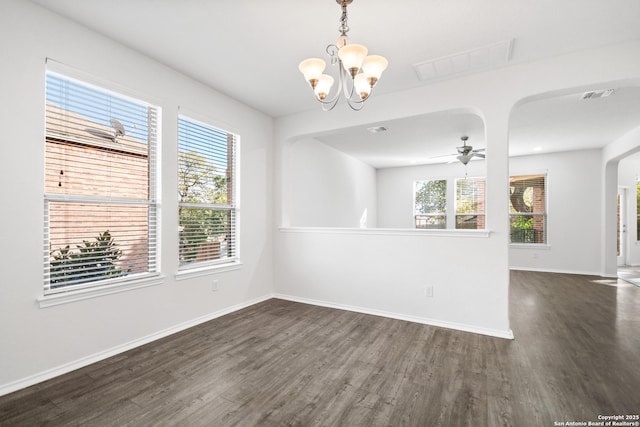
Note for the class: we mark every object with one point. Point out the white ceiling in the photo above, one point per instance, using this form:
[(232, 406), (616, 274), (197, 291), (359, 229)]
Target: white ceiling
[(250, 49), (411, 140), (561, 123)]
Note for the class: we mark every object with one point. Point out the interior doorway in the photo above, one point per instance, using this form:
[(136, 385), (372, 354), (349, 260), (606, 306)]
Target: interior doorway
[(621, 246)]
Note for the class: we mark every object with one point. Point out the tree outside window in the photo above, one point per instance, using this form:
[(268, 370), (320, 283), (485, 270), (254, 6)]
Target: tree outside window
[(430, 204), (205, 194), (527, 208)]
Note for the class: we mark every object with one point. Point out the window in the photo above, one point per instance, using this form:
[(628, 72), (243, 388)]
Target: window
[(470, 203), (207, 194), (100, 186), (430, 204), (527, 208)]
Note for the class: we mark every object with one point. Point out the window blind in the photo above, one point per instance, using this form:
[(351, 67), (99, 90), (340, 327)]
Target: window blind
[(207, 194), (470, 203), (100, 186), (527, 208)]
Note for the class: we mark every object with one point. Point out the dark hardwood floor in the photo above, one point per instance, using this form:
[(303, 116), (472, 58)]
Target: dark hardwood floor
[(281, 363)]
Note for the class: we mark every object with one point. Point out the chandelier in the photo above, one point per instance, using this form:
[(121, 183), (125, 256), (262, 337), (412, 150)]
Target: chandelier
[(357, 72)]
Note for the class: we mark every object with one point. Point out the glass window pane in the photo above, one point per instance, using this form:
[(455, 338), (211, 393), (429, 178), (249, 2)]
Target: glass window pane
[(470, 203), (206, 167), (430, 197), (431, 221), (527, 208), (528, 228), (205, 234), (96, 241), (470, 222), (527, 194), (99, 185), (203, 161), (430, 205)]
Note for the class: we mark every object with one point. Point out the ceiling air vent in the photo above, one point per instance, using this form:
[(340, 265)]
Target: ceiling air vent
[(474, 60), (597, 94), (377, 129)]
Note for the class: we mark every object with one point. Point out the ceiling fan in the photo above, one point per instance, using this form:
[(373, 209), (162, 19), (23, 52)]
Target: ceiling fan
[(466, 152)]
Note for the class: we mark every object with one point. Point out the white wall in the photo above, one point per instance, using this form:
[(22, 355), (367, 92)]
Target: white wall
[(396, 188), (574, 217), (362, 269), (612, 153), (628, 171), (330, 189), (386, 272), (36, 343), (573, 206)]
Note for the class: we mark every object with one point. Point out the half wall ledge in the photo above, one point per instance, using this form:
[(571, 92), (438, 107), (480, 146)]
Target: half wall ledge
[(388, 231)]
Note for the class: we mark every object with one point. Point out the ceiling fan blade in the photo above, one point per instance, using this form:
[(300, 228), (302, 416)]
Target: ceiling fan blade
[(479, 149), (482, 156), (444, 155)]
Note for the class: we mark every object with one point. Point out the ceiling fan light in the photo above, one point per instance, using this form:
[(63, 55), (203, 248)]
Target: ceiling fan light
[(352, 56), (464, 159), (312, 69), (374, 65), (323, 87), (362, 86)]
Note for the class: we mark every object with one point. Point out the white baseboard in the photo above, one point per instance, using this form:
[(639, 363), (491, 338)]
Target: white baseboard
[(508, 334), (88, 360), (552, 270), (85, 361)]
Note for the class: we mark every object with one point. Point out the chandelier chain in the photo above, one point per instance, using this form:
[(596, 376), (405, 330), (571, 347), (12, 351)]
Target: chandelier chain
[(344, 27)]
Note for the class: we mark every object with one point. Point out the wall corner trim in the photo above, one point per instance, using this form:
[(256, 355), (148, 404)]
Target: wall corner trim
[(388, 231)]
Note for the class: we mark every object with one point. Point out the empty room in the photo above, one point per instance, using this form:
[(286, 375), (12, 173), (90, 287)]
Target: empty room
[(320, 213)]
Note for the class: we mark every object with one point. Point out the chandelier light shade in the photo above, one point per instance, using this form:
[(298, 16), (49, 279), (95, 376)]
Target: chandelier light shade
[(357, 72), (323, 86), (352, 57), (312, 69), (373, 66)]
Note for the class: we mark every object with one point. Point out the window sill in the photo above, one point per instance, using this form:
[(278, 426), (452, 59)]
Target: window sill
[(388, 231), (98, 291), (207, 270), (537, 246)]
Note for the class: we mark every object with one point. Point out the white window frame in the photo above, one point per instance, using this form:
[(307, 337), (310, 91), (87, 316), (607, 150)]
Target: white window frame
[(201, 268), (544, 215), (443, 214), (63, 294), (456, 202)]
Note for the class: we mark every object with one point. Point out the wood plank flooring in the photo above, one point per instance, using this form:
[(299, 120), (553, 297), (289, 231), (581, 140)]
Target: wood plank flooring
[(281, 363)]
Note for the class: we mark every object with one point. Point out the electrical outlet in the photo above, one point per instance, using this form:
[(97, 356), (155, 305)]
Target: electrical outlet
[(428, 291), (214, 285)]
